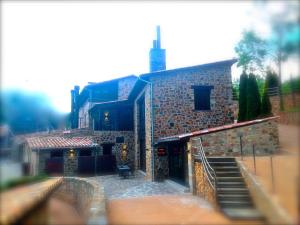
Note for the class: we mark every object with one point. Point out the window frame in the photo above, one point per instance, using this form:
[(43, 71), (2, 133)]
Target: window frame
[(199, 88)]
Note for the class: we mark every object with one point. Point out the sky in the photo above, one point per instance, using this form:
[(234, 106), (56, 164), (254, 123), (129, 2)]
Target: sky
[(51, 46)]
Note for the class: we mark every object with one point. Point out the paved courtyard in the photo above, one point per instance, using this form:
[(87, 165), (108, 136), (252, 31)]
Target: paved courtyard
[(136, 186), (140, 201)]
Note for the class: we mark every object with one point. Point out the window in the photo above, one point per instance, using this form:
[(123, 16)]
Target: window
[(119, 139), (56, 153), (202, 97)]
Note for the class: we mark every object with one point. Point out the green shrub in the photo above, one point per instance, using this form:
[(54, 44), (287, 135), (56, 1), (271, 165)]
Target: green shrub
[(21, 181)]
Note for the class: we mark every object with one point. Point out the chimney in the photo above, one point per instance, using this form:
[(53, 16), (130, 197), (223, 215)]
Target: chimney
[(157, 54)]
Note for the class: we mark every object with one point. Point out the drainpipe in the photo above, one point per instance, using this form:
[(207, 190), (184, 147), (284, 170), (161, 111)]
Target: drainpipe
[(152, 125)]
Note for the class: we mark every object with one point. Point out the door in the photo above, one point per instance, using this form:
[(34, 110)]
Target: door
[(176, 162), (142, 133), (142, 155)]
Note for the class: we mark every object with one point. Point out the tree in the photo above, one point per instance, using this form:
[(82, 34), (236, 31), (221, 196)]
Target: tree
[(253, 98), (251, 51), (271, 79), (242, 116), (285, 38), (266, 107)]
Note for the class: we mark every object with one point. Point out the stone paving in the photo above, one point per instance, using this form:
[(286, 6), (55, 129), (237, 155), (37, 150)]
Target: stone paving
[(136, 186)]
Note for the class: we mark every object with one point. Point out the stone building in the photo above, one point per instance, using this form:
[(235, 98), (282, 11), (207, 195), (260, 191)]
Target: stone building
[(133, 120), (147, 122), (138, 110)]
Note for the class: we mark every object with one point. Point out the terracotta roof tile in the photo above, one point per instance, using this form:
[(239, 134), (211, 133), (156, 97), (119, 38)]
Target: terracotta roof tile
[(60, 142)]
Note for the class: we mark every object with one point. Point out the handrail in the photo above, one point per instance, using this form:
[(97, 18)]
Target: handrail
[(209, 171)]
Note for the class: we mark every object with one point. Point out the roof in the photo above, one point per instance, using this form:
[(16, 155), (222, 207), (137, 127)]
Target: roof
[(110, 103), (191, 68), (60, 142), (91, 84), (212, 130)]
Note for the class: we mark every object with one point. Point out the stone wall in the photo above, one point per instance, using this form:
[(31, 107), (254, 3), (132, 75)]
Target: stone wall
[(173, 97), (29, 204), (145, 93), (227, 142), (70, 164), (124, 87), (202, 187), (87, 196), (102, 137)]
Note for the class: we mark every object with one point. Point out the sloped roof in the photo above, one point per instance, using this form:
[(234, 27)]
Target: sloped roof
[(60, 142), (212, 130), (190, 68)]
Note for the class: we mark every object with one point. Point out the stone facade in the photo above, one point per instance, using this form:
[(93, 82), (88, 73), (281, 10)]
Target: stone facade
[(125, 86), (103, 137), (202, 187), (174, 108), (263, 135), (173, 99), (145, 93), (70, 164)]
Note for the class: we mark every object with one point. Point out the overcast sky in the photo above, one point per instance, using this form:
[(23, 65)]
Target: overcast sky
[(52, 46)]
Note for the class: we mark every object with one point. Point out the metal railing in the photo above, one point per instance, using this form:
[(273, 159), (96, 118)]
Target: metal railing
[(208, 170)]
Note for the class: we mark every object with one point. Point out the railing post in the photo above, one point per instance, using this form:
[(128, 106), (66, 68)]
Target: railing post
[(240, 134), (272, 173), (253, 151)]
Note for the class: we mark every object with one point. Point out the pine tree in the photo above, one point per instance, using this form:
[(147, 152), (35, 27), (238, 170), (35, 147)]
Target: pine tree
[(271, 82), (243, 97), (253, 98), (266, 107)]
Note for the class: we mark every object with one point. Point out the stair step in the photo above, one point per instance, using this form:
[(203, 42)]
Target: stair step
[(236, 204), (228, 173), (230, 179), (231, 184), (228, 168), (227, 190), (216, 164), (233, 197), (220, 159), (247, 214)]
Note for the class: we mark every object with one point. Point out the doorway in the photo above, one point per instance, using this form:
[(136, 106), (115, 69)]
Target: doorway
[(107, 148), (142, 133), (177, 162)]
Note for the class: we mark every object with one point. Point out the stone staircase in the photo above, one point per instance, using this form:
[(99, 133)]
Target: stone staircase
[(232, 194)]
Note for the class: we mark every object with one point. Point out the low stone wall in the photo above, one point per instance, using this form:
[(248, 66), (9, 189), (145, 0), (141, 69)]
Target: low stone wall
[(87, 196), (227, 142), (272, 211), (27, 205)]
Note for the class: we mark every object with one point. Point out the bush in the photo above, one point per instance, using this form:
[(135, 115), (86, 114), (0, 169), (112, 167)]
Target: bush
[(21, 181)]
